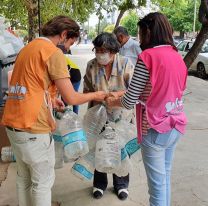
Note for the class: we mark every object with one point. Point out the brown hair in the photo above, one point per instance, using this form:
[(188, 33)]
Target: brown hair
[(159, 29), (60, 23)]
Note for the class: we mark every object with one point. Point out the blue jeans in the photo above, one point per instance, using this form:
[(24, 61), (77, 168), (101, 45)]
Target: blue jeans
[(157, 153), (76, 88)]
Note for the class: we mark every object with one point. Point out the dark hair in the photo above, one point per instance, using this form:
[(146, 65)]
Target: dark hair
[(107, 41), (60, 23), (62, 47), (120, 30), (159, 29)]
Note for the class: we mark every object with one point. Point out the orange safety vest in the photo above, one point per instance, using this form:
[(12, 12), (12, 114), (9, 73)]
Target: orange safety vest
[(26, 91)]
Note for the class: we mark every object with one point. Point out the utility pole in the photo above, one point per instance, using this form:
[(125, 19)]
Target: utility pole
[(194, 25)]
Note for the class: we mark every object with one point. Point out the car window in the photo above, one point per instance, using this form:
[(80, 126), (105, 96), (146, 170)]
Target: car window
[(188, 46), (181, 46), (205, 48)]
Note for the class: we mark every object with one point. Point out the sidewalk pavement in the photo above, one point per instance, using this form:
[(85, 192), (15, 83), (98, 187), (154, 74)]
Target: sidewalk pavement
[(190, 169)]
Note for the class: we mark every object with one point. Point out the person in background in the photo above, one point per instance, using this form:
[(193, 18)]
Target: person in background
[(129, 47), (108, 72), (39, 67), (74, 72), (85, 37), (157, 87)]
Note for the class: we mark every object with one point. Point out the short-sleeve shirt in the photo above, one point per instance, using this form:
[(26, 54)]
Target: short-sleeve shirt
[(131, 49), (95, 78), (56, 69)]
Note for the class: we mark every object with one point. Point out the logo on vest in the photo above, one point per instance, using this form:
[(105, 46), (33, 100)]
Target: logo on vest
[(174, 107), (17, 92)]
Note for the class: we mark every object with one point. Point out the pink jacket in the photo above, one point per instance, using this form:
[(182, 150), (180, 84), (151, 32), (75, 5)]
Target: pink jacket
[(164, 106)]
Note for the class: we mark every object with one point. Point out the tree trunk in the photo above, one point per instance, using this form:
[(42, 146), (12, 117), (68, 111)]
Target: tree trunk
[(119, 18), (201, 37), (99, 20), (195, 49), (181, 34), (32, 9), (31, 26)]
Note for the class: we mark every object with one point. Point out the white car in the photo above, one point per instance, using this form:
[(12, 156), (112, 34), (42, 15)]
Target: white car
[(200, 64)]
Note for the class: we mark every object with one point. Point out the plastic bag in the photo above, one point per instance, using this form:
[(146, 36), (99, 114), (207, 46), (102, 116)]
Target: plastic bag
[(16, 42)]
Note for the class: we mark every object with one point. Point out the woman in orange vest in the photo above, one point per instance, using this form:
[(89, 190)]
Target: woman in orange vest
[(39, 68)]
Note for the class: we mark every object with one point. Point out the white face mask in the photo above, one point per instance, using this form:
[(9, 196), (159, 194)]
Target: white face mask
[(103, 59)]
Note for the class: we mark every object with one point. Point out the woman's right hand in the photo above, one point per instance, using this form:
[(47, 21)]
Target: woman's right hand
[(100, 96)]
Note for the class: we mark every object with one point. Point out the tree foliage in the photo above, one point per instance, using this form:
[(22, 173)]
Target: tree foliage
[(15, 11), (24, 13), (130, 23), (180, 14), (109, 28)]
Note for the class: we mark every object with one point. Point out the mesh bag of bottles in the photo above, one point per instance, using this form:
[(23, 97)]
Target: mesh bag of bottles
[(94, 120), (69, 127)]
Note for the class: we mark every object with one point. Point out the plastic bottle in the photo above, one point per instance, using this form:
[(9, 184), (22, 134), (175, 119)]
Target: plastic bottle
[(7, 154), (69, 126), (117, 114), (108, 151), (93, 122), (125, 166), (128, 135), (129, 145), (84, 167), (59, 152)]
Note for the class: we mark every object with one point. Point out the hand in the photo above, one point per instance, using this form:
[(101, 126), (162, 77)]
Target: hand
[(58, 104), (100, 96), (113, 94), (116, 94), (112, 102)]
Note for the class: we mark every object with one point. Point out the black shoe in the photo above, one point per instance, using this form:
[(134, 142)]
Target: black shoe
[(97, 193), (122, 194)]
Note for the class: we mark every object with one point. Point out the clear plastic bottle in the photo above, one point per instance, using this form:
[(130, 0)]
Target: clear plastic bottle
[(75, 144), (7, 154), (84, 167), (108, 151), (125, 166), (69, 126), (59, 152), (93, 122), (128, 134)]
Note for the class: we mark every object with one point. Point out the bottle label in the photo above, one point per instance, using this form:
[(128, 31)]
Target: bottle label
[(132, 146), (78, 136), (57, 138), (83, 171), (123, 153)]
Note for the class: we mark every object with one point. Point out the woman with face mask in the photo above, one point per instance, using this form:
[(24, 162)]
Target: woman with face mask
[(108, 72)]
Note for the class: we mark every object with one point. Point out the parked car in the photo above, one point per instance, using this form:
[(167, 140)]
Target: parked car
[(200, 64), (177, 40)]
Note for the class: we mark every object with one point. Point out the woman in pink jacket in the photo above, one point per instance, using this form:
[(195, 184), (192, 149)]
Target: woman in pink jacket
[(156, 89)]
